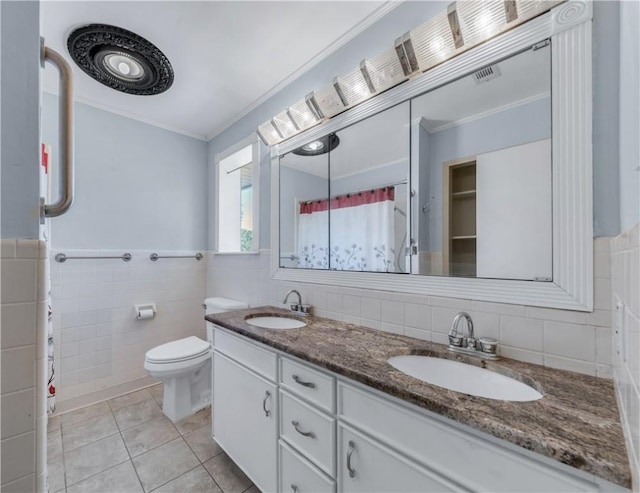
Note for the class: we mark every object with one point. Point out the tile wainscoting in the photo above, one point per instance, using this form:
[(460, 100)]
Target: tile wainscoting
[(625, 270), (536, 335), (24, 364), (99, 345)]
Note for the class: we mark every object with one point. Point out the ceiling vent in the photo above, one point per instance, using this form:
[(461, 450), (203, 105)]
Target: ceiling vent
[(120, 59), (486, 74)]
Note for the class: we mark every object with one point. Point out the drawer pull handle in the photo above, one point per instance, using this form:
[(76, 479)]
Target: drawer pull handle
[(309, 434), (294, 488), (267, 413), (296, 378), (352, 471)]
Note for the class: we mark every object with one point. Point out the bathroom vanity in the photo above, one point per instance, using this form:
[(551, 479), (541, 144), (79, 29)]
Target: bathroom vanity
[(318, 408)]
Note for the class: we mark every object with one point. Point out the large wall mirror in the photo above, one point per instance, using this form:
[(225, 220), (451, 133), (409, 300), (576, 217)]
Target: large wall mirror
[(472, 180)]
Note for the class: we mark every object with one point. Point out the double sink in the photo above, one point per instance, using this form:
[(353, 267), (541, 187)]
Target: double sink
[(446, 373)]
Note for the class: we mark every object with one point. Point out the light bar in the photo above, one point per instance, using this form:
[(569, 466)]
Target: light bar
[(465, 24)]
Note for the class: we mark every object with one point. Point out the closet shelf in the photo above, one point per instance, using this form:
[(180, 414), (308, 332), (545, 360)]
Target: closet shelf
[(464, 237), (464, 194)]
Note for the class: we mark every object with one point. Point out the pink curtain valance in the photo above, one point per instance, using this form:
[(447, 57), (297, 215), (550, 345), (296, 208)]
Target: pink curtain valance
[(349, 200)]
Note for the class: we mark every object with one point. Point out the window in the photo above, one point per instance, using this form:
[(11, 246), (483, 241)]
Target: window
[(237, 173)]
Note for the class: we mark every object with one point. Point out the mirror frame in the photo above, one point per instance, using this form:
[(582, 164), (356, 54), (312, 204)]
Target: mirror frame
[(569, 27)]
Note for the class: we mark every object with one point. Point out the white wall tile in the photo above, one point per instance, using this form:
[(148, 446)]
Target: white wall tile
[(17, 412), (521, 332), (417, 316), (570, 340), (18, 368), (569, 364), (370, 308), (18, 324), (18, 457), (392, 312), (8, 248), (18, 281)]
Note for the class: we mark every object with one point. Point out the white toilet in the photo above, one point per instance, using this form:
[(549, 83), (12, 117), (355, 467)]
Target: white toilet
[(185, 366)]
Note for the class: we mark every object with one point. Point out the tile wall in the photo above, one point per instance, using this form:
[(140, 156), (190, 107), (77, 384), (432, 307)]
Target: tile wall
[(537, 335), (98, 342), (23, 365), (625, 269)]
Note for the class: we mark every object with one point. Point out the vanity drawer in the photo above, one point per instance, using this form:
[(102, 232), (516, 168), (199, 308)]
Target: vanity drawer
[(452, 450), (298, 475), (313, 385), (262, 361), (308, 430)]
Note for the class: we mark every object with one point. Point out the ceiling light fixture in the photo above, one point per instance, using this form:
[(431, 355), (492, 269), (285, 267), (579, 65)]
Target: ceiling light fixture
[(321, 146), (463, 25), (120, 59)]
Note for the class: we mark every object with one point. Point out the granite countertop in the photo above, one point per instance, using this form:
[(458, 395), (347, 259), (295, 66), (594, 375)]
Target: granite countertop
[(576, 423)]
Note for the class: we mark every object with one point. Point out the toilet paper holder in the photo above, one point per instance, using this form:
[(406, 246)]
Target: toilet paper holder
[(145, 311)]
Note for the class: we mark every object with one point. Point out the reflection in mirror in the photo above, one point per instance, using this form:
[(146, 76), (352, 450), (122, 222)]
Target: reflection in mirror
[(358, 219), (369, 180), (304, 184), (481, 154)]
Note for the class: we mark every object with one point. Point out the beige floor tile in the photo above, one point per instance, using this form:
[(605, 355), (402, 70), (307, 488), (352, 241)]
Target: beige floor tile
[(227, 474), (195, 421), (157, 392), (165, 463), (136, 414), (84, 413), (96, 457), (55, 469), (53, 423), (129, 399), (195, 481), (54, 443), (202, 443), (252, 489), (119, 479), (149, 435), (88, 431)]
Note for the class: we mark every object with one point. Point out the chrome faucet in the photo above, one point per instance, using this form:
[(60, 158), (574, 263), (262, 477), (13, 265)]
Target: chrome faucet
[(299, 307), (453, 331), (484, 347)]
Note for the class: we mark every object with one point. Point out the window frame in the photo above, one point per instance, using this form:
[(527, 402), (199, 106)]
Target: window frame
[(253, 141)]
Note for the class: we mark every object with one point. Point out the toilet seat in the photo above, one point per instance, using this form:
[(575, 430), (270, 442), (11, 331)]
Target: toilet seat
[(186, 349)]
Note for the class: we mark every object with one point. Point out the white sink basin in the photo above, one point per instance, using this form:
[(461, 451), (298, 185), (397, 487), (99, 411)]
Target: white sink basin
[(275, 322), (467, 379)]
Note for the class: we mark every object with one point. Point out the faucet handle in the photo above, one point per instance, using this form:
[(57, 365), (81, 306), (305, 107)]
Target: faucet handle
[(295, 307), (305, 309)]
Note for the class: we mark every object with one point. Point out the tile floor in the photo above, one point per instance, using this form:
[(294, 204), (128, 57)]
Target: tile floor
[(128, 445)]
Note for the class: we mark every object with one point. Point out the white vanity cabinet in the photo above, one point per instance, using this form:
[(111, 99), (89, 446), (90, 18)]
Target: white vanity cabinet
[(295, 427), (245, 410)]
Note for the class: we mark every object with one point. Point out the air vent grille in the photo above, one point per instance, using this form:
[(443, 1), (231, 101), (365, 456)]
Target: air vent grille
[(486, 74)]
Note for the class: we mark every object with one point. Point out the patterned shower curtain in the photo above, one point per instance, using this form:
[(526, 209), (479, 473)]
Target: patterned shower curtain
[(361, 232)]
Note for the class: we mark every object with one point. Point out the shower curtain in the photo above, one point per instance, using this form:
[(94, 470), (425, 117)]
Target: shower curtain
[(360, 236)]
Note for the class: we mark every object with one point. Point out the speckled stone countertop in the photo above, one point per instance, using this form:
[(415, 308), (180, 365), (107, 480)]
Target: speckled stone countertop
[(576, 423)]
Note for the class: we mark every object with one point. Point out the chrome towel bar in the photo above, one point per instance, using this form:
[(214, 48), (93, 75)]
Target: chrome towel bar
[(155, 256), (61, 257)]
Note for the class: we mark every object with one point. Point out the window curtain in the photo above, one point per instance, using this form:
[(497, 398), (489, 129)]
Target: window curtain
[(361, 232)]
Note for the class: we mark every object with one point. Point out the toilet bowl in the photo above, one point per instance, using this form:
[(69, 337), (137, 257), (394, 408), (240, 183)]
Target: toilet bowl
[(184, 366)]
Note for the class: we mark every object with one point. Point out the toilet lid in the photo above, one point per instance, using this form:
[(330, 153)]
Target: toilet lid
[(180, 350)]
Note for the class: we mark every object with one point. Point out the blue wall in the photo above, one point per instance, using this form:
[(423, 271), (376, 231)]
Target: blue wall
[(20, 96), (137, 186), (410, 14)]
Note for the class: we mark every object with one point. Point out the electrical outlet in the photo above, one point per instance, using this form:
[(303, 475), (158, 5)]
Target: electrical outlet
[(620, 333)]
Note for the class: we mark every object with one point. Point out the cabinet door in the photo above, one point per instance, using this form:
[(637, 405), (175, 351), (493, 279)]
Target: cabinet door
[(367, 466), (245, 420)]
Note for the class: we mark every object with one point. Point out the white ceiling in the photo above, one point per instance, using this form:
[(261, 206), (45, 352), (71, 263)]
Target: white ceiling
[(228, 56)]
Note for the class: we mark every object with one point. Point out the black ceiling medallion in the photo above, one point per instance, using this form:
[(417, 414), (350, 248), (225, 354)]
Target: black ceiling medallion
[(319, 146), (120, 59)]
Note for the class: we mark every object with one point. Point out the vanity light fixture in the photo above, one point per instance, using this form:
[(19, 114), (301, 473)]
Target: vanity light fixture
[(120, 59), (463, 25), (320, 146)]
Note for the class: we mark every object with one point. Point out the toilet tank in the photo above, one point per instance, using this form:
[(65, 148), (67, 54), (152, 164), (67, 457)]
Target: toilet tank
[(220, 305)]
